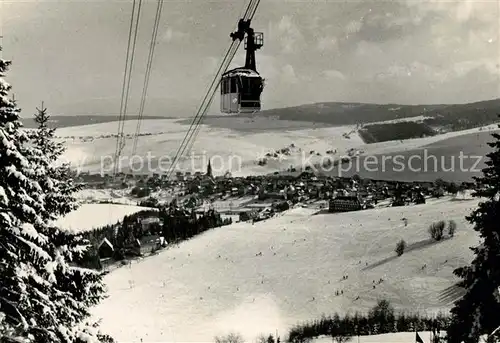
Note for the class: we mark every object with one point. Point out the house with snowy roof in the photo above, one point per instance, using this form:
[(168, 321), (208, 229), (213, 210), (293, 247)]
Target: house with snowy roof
[(105, 249)]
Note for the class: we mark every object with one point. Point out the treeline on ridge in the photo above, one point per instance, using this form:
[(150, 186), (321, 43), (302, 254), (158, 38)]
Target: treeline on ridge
[(453, 117)]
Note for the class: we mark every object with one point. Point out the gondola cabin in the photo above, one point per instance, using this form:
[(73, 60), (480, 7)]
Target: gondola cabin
[(240, 91)]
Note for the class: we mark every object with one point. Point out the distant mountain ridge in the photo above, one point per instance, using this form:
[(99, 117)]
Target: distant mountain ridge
[(342, 113), (453, 116), (69, 121)]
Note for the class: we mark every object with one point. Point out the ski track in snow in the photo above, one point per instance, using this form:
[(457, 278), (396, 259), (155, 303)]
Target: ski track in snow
[(217, 283)]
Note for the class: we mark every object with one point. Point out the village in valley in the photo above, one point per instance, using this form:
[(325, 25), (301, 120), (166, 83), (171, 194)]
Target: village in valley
[(194, 197), (339, 183)]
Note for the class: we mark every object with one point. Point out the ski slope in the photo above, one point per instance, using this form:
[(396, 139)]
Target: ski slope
[(255, 279)]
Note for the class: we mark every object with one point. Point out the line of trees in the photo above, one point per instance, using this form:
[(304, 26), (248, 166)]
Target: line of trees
[(395, 131), (175, 225), (476, 313), (379, 320), (463, 117), (180, 224)]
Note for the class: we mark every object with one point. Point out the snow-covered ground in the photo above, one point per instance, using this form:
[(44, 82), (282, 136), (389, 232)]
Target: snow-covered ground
[(411, 144), (401, 120), (232, 150), (120, 196), (228, 149), (260, 278), (215, 283), (400, 337), (92, 216), (117, 196), (231, 203)]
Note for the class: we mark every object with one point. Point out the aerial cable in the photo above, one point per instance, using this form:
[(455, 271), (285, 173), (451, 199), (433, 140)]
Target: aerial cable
[(229, 52), (197, 129), (222, 65), (246, 11), (120, 118), (125, 85), (125, 91), (255, 9), (148, 73), (196, 120), (216, 78), (122, 143), (211, 96), (146, 77), (252, 8), (242, 8)]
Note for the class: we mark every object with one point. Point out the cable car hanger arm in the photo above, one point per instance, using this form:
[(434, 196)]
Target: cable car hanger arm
[(251, 44)]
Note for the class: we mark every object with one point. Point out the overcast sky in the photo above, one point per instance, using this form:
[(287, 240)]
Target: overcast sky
[(71, 54)]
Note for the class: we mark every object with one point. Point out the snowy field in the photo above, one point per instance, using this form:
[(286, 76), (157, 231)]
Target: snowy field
[(92, 216), (412, 144), (401, 120), (254, 279), (230, 149), (400, 337), (117, 196), (256, 124), (232, 203)]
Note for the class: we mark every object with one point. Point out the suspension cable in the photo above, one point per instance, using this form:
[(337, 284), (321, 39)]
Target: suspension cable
[(197, 129), (120, 118), (147, 73), (121, 139), (252, 8), (194, 122), (122, 143), (202, 109)]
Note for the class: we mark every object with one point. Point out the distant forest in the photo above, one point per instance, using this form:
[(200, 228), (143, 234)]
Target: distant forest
[(435, 118), (395, 131), (454, 117)]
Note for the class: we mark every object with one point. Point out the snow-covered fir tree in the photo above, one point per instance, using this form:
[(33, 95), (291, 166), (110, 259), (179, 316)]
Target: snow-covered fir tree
[(477, 312), (60, 201), (44, 296)]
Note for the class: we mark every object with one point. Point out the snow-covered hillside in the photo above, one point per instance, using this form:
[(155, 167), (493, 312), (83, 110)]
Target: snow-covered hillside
[(92, 216), (255, 279), (230, 149), (116, 196), (400, 337), (411, 144)]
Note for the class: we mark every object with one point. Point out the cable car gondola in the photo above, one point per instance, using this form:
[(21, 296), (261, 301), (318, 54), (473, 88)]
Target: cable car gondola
[(242, 87)]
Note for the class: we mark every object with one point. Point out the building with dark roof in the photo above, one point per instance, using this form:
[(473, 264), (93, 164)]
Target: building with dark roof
[(344, 203)]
